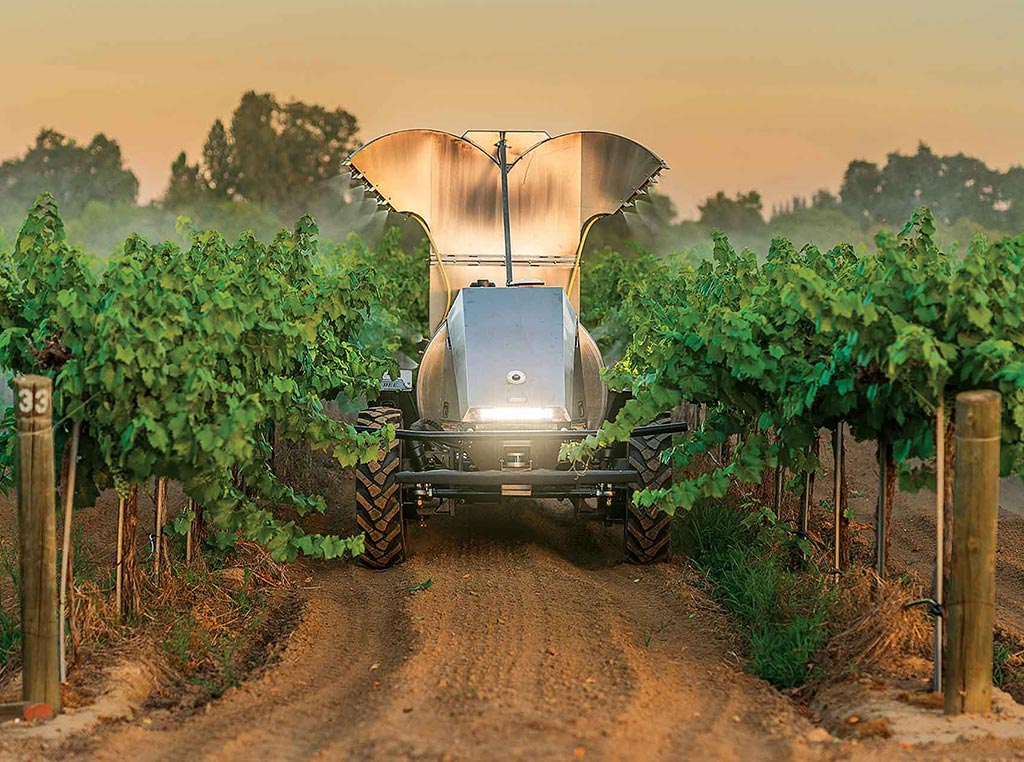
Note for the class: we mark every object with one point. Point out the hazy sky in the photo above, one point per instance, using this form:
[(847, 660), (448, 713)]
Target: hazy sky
[(733, 94)]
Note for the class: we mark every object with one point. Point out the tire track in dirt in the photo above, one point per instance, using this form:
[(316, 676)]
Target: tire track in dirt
[(308, 695), (533, 642)]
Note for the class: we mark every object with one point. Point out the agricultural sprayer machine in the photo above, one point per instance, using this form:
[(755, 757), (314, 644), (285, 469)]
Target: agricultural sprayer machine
[(509, 373)]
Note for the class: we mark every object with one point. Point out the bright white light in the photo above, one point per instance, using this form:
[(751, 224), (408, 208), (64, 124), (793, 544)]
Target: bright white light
[(516, 414)]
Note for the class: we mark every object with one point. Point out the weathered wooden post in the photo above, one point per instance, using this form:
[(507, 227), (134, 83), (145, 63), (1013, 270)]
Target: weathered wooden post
[(159, 500), (66, 569), (37, 538), (882, 508), (805, 504), (940, 541), (837, 500), (190, 506), (119, 557), (777, 491), (970, 602), (807, 495)]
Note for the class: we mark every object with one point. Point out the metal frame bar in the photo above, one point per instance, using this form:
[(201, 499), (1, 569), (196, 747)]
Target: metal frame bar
[(484, 494), (679, 427), (540, 477)]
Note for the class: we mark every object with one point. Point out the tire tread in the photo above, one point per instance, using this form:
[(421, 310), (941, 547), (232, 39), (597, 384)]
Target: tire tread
[(378, 501)]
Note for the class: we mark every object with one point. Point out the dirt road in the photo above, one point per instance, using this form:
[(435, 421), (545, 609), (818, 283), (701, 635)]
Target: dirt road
[(533, 642)]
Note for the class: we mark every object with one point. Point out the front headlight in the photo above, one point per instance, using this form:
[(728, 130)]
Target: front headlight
[(515, 414)]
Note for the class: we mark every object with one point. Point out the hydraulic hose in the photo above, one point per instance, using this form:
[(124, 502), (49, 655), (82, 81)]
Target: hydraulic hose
[(579, 253), (417, 447)]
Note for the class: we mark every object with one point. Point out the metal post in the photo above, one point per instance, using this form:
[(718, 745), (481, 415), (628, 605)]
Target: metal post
[(883, 446), (37, 535), (972, 575), (502, 160)]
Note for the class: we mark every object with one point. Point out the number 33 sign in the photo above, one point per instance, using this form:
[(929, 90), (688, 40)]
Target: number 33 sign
[(35, 401)]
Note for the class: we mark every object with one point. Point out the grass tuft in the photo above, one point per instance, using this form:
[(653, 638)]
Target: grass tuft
[(767, 580)]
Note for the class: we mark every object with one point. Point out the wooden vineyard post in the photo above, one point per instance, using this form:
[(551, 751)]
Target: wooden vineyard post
[(807, 496), (128, 587), (972, 577), (940, 543), (119, 556), (66, 569), (882, 509), (777, 491), (37, 536), (190, 506), (837, 497), (159, 509), (805, 505)]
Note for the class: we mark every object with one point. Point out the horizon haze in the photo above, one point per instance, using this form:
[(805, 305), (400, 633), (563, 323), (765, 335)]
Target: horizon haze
[(741, 95)]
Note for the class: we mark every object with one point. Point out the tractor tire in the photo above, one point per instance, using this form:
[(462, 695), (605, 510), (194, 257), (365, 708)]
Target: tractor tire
[(378, 497), (648, 531)]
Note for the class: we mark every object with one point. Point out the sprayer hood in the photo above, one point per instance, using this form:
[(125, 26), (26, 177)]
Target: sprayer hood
[(556, 185)]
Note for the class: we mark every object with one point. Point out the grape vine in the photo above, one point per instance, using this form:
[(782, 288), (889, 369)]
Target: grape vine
[(781, 348), (177, 361)]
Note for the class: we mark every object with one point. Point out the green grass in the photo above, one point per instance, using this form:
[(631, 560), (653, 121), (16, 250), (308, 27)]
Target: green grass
[(1007, 662), (212, 657), (10, 623), (10, 637), (767, 581)]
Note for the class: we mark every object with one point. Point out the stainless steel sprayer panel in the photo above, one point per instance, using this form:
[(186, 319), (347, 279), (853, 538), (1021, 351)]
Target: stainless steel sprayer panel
[(513, 348), (555, 186)]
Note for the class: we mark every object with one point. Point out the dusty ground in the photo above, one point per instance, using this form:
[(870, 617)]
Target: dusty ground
[(534, 642)]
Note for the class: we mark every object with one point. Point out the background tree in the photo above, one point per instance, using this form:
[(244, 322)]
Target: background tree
[(274, 154), (218, 162), (824, 199), (861, 184), (742, 214), (954, 187), (74, 174), (186, 186), (1013, 198)]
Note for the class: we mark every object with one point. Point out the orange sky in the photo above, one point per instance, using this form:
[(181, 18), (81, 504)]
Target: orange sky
[(733, 94)]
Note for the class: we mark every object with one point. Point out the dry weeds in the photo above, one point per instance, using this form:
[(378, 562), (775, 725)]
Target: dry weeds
[(873, 631)]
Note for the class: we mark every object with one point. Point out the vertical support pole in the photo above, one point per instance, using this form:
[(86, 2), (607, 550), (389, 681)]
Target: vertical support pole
[(837, 498), (777, 497), (972, 577), (880, 512), (160, 501), (37, 536), (940, 542), (119, 558), (808, 493), (190, 506), (805, 504), (65, 558), (506, 224)]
